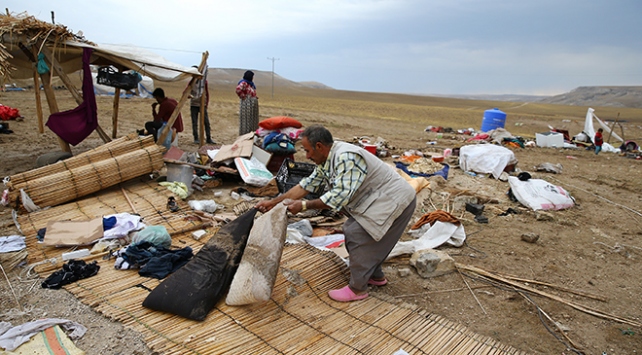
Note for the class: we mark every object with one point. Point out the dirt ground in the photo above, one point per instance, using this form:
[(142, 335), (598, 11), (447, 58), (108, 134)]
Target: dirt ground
[(593, 247)]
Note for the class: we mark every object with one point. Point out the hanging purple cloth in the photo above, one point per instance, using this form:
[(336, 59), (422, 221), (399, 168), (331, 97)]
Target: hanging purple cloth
[(75, 125)]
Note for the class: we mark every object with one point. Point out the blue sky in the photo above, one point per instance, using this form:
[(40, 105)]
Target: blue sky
[(537, 47)]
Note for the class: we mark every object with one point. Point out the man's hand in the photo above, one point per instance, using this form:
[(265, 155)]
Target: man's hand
[(294, 206), (265, 205), (154, 105)]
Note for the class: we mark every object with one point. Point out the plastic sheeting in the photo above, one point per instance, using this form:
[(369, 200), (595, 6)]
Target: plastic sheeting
[(486, 159), (589, 131), (69, 56), (540, 194)]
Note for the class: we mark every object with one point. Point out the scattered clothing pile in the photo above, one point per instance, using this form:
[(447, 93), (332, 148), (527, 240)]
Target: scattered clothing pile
[(152, 260), (72, 271)]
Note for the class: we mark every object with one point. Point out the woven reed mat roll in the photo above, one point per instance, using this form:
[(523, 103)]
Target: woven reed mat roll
[(83, 180), (149, 198), (116, 147), (298, 319)]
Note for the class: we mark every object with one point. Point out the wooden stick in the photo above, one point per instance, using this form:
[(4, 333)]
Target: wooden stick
[(471, 291), (562, 288), (36, 86), (579, 307), (432, 204), (128, 200), (11, 287), (210, 168), (172, 161), (442, 291), (114, 113), (552, 321), (51, 100), (192, 228)]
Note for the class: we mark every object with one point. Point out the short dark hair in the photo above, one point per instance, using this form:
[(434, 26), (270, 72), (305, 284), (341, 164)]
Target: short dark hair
[(317, 133), (160, 93)]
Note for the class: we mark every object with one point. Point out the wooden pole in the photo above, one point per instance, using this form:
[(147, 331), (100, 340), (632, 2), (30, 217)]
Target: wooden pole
[(34, 66), (36, 87), (612, 127), (51, 99), (182, 101), (114, 114)]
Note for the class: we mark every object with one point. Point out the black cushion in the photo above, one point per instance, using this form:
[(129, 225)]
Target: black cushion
[(193, 290)]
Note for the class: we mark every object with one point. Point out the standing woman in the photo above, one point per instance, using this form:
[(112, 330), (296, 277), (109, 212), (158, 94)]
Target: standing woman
[(249, 109)]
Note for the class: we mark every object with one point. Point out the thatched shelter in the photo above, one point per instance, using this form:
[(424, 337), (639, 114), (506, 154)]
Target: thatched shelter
[(26, 41)]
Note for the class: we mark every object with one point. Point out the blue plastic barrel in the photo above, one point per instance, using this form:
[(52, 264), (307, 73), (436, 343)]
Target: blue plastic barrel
[(493, 119)]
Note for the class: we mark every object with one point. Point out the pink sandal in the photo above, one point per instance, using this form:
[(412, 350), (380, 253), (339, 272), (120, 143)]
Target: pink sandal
[(345, 295), (374, 282)]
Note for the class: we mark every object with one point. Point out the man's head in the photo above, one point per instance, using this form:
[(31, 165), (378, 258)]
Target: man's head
[(317, 142), (158, 94), (249, 75), (600, 130)]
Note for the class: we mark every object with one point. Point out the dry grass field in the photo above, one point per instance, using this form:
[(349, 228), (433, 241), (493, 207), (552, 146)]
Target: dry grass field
[(594, 247)]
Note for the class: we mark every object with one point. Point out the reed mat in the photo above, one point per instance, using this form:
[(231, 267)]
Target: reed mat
[(299, 318), (147, 197)]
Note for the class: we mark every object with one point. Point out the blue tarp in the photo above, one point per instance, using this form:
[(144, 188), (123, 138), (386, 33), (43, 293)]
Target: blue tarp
[(443, 172)]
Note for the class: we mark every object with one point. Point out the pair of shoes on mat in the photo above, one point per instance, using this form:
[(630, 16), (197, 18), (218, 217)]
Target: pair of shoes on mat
[(346, 295), (374, 282)]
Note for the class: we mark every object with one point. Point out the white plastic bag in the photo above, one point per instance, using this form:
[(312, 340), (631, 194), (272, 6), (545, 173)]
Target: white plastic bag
[(540, 194), (208, 206)]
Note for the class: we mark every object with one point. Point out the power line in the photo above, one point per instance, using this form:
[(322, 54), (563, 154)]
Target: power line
[(273, 59)]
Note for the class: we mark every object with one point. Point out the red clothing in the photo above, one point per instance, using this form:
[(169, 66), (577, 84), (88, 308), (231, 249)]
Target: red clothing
[(245, 90), (165, 110), (598, 139)]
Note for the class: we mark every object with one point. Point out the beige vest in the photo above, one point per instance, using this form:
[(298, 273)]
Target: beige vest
[(382, 196)]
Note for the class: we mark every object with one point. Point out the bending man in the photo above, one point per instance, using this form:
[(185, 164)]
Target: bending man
[(377, 200)]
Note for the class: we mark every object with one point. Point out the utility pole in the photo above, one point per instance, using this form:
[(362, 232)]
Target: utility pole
[(273, 59)]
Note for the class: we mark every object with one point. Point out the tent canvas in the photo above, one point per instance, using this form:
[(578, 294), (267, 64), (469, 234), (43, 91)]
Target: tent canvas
[(589, 131), (69, 56)]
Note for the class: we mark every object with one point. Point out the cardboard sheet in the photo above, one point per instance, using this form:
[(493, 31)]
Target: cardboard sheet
[(62, 233), (242, 148)]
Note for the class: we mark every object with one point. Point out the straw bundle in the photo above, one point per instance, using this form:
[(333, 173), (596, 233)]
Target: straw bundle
[(71, 184), (114, 148), (22, 27)]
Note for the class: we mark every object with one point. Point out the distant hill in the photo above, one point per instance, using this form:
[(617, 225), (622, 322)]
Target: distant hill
[(599, 96), (504, 97), (606, 96), (263, 79)]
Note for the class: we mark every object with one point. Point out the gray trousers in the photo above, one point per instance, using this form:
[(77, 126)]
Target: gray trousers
[(367, 254)]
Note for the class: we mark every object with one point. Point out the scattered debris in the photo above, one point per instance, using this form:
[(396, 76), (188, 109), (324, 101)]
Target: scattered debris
[(530, 237)]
